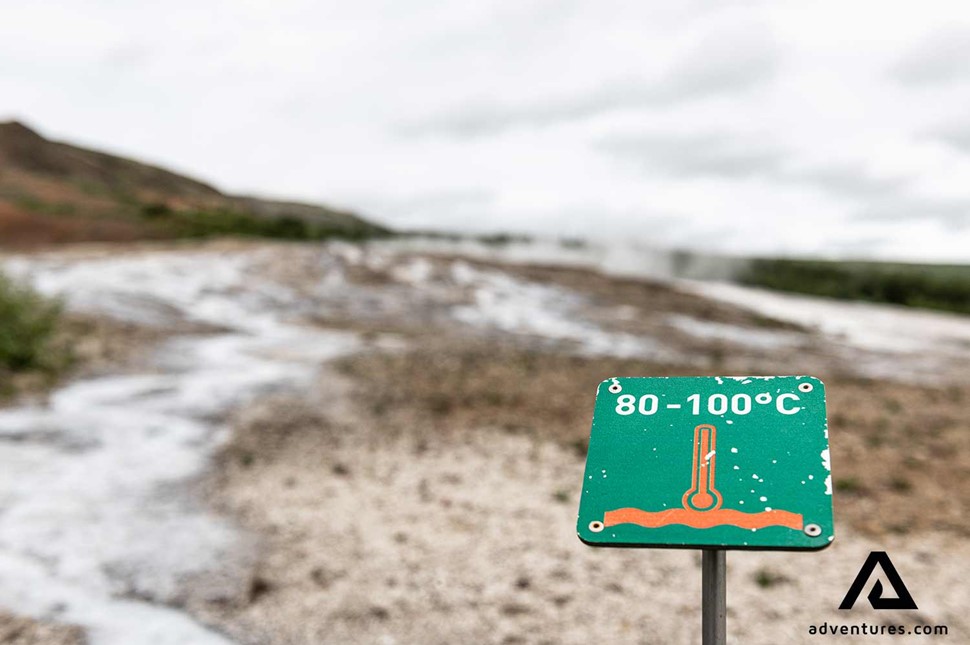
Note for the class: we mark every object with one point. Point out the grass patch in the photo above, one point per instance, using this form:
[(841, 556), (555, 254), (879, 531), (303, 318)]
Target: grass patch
[(943, 287), (34, 204), (29, 324), (766, 578), (224, 222), (901, 484), (848, 485), (562, 496)]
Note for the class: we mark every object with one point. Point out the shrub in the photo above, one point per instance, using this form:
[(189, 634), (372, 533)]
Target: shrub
[(28, 325), (225, 222), (155, 210)]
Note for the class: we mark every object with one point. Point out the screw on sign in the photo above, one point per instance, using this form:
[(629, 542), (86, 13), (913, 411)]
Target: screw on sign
[(709, 462)]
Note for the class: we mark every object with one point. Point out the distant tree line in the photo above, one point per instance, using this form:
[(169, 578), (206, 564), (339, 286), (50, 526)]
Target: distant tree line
[(941, 287)]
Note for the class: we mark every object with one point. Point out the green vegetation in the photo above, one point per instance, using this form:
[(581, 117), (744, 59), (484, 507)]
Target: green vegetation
[(34, 204), (766, 578), (488, 239), (848, 485), (900, 484), (562, 496), (502, 239), (28, 326), (943, 287), (221, 222)]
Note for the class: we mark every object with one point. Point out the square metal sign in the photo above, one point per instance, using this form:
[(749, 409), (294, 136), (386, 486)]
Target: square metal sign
[(733, 462)]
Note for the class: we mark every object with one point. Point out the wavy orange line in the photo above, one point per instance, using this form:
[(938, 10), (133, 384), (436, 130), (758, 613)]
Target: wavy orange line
[(703, 519)]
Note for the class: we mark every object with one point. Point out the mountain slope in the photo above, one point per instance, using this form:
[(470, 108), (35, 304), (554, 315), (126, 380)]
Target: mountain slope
[(53, 192)]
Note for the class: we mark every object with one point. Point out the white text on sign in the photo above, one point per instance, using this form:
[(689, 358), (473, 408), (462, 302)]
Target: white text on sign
[(740, 404)]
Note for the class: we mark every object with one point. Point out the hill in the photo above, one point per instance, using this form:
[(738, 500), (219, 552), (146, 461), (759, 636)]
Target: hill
[(53, 192)]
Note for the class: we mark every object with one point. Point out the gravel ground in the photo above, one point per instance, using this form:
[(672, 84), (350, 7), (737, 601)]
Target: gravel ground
[(424, 488), (390, 533)]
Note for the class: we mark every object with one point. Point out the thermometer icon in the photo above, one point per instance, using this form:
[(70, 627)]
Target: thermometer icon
[(702, 496)]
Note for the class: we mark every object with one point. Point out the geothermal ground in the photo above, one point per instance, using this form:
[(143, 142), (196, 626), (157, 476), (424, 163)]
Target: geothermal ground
[(379, 444)]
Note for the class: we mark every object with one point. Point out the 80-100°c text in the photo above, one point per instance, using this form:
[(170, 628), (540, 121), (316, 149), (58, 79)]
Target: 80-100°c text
[(717, 404)]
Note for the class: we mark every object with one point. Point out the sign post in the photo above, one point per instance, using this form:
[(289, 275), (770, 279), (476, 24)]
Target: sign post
[(713, 463), (713, 597)]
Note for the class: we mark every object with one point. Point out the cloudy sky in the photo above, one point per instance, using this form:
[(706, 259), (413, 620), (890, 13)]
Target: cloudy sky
[(813, 128)]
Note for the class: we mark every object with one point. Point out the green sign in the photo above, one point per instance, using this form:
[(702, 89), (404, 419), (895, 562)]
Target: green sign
[(727, 462)]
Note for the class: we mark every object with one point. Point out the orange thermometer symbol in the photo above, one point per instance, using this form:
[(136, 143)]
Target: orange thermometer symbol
[(702, 495)]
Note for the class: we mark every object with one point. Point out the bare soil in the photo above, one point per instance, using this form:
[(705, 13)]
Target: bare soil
[(437, 506), (428, 495), (893, 445), (17, 630)]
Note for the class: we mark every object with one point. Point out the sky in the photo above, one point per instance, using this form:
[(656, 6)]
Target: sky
[(832, 129)]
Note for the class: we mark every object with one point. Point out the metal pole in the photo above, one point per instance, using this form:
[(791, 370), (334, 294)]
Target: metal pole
[(714, 597)]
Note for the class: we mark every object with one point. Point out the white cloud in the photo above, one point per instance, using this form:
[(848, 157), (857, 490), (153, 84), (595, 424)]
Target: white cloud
[(821, 127), (940, 58)]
